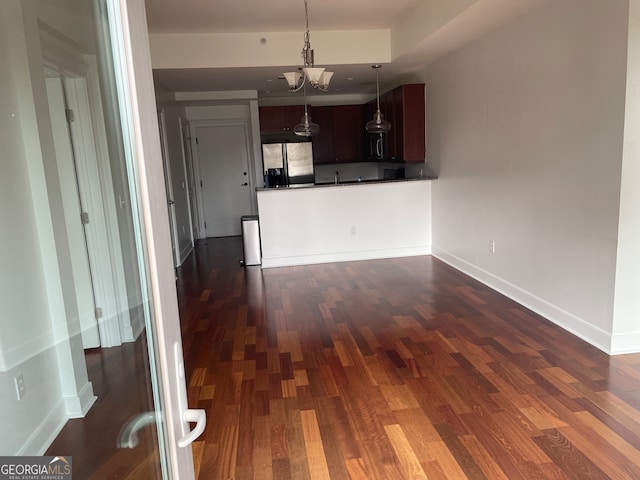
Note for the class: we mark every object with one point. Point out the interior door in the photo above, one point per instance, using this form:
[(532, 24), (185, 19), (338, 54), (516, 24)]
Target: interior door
[(223, 156), (73, 212), (140, 425)]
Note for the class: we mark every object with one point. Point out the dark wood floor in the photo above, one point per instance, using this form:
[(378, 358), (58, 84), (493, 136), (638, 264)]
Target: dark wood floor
[(393, 369), (121, 381), (387, 369)]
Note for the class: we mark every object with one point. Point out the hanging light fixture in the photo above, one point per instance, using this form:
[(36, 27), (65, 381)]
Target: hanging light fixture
[(317, 76), (377, 124), (306, 127)]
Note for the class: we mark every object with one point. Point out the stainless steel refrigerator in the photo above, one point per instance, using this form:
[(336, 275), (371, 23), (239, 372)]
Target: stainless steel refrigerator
[(288, 163)]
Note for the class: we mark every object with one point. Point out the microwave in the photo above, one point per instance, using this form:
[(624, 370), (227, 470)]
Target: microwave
[(377, 146)]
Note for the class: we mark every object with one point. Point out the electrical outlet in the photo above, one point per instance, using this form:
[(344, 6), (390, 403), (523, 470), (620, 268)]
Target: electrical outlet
[(492, 246), (21, 390)]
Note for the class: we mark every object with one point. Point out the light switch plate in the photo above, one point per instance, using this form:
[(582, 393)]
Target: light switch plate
[(21, 390)]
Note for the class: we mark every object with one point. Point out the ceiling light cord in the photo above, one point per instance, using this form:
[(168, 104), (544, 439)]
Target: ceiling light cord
[(378, 88), (307, 40)]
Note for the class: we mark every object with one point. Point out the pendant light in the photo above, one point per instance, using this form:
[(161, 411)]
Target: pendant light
[(378, 124), (306, 127)]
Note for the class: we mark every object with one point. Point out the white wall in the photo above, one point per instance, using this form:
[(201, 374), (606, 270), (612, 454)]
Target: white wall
[(525, 132), (626, 327), (38, 309)]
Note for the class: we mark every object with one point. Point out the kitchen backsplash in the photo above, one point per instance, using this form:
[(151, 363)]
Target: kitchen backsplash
[(350, 172)]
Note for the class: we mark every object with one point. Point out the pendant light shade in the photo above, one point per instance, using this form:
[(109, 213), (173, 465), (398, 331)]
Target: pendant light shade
[(378, 124), (306, 127)]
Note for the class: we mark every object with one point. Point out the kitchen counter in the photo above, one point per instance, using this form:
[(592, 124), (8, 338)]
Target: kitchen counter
[(309, 224), (348, 182)]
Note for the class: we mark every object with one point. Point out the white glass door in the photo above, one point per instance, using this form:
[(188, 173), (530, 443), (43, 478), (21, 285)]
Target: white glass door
[(79, 136)]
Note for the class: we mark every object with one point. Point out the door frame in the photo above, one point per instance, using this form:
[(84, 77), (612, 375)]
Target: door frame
[(140, 126), (246, 125), (171, 207), (189, 175)]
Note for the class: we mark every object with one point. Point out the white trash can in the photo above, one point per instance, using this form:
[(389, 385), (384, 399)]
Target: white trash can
[(251, 240)]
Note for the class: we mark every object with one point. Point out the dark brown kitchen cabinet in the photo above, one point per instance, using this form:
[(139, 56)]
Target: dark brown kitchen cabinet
[(323, 145), (341, 134), (279, 119), (404, 107), (348, 133)]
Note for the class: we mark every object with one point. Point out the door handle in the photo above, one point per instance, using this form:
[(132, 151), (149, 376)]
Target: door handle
[(245, 184), (188, 415), (171, 202), (200, 418), (128, 437)]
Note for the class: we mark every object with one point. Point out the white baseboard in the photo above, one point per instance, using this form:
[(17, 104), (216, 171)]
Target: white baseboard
[(345, 256), (43, 436), (577, 326), (126, 321), (185, 252), (137, 321), (78, 405), (626, 343)]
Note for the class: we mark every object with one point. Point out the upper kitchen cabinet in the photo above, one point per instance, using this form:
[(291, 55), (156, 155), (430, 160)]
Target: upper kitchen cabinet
[(323, 145), (404, 107), (341, 134), (348, 133), (279, 119)]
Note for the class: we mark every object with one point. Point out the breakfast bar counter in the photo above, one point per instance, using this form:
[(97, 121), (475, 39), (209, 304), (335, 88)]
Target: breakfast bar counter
[(346, 221)]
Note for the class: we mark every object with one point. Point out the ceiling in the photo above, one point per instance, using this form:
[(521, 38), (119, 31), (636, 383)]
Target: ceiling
[(434, 28), (225, 16)]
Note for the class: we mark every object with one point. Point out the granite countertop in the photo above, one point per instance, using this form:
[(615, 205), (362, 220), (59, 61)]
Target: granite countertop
[(349, 182)]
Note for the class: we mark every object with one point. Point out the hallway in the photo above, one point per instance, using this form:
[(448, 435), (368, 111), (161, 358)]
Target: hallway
[(393, 369)]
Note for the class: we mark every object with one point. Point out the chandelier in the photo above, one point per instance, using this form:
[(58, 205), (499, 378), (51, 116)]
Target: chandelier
[(318, 77)]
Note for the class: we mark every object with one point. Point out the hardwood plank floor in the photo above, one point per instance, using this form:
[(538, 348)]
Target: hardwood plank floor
[(393, 369), (121, 381)]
